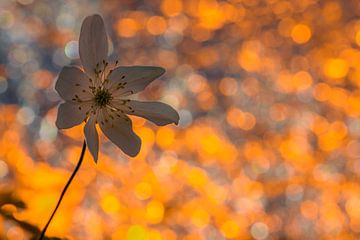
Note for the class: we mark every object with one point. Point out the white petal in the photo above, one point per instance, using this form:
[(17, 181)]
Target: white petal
[(72, 81), (70, 114), (91, 137), (159, 113), (130, 80), (119, 131), (93, 44)]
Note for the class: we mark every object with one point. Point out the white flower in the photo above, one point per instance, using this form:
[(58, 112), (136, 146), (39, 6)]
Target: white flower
[(99, 95)]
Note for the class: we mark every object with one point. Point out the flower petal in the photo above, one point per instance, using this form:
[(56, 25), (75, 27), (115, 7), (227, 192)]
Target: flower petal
[(72, 81), (159, 113), (130, 80), (71, 114), (93, 43), (119, 130), (92, 137)]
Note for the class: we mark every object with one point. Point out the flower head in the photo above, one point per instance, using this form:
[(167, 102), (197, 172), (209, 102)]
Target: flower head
[(98, 95)]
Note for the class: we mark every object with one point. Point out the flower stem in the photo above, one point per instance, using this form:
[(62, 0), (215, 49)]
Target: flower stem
[(64, 190)]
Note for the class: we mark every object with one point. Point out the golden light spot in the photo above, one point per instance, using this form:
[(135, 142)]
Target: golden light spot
[(321, 92), (284, 82), (197, 177), (197, 83), (165, 137), (353, 105), (230, 12), (338, 97), (126, 27), (249, 56), (146, 134), (253, 150), (156, 25), (171, 7), (136, 232), (332, 11), (155, 235), (148, 138), (336, 68), (143, 190), (200, 218), (228, 86), (301, 33), (210, 143), (230, 229), (333, 138), (352, 207), (249, 122), (209, 14), (320, 125), (206, 100), (110, 204), (42, 79), (154, 212), (302, 80), (239, 119)]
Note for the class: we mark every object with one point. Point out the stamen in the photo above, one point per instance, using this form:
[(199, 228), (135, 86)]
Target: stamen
[(102, 97)]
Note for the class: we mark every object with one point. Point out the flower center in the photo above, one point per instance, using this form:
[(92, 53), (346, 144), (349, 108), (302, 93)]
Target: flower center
[(102, 97)]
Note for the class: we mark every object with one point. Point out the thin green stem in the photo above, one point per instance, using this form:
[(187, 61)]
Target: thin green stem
[(64, 190)]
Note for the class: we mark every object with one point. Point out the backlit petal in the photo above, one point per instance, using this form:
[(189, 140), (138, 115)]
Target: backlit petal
[(93, 43), (159, 113), (91, 137), (119, 131), (70, 114), (130, 80), (71, 82)]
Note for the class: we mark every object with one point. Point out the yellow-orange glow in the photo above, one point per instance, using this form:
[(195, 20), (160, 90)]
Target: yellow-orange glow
[(154, 212), (156, 25), (336, 68), (171, 7), (228, 86), (127, 27), (110, 204), (230, 229), (268, 94), (143, 190), (301, 33), (200, 218)]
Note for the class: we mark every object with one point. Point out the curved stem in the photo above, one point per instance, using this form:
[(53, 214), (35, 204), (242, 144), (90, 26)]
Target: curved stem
[(64, 190)]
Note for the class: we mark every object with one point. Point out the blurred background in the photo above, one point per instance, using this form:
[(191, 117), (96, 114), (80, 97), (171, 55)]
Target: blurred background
[(268, 142)]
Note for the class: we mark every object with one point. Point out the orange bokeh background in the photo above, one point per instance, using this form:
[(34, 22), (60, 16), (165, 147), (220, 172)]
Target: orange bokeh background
[(268, 141)]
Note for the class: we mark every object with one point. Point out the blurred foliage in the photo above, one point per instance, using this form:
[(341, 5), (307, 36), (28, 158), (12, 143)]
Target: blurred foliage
[(268, 143)]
